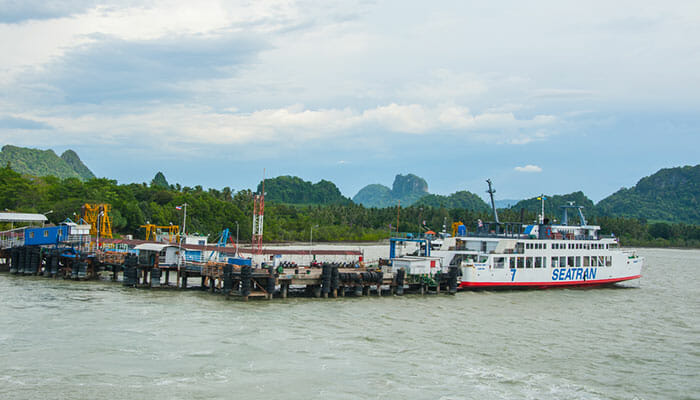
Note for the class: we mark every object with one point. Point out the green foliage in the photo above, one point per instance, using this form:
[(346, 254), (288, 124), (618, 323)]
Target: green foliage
[(461, 199), (159, 181), (670, 194), (553, 203), (210, 211), (294, 190), (44, 162), (71, 158)]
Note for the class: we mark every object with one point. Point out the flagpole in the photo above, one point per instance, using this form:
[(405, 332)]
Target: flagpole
[(183, 236), (184, 221), (542, 214)]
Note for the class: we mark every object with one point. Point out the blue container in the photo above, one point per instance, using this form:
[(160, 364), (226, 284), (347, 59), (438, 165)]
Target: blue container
[(461, 230), (45, 236), (240, 261)]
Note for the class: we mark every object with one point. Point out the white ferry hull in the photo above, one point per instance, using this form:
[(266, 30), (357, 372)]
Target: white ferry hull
[(485, 277)]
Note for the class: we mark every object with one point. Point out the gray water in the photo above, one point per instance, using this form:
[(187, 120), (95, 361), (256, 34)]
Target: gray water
[(85, 340)]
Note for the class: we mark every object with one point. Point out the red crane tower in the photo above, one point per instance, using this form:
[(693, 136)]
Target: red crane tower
[(258, 217)]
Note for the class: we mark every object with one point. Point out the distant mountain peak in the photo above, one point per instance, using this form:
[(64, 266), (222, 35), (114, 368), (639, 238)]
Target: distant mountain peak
[(411, 189), (71, 157), (38, 162)]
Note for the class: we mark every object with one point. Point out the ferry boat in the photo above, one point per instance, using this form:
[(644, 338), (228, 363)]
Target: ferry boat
[(541, 255)]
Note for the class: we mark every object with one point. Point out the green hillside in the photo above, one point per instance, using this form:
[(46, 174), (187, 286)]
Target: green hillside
[(407, 188), (671, 194), (44, 162), (294, 190), (552, 205), (462, 199), (72, 159)]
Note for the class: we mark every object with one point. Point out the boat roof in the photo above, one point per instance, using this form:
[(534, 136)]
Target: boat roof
[(153, 246), (22, 217)]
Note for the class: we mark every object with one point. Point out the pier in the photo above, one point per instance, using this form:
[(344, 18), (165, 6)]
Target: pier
[(142, 265)]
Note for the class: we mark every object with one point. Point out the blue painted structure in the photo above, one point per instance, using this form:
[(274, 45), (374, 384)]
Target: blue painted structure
[(393, 241), (45, 236)]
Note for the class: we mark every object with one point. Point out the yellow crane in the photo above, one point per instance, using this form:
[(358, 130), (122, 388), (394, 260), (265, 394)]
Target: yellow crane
[(97, 215), (153, 230)]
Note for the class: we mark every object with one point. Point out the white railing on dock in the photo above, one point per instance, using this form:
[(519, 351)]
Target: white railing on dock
[(12, 238)]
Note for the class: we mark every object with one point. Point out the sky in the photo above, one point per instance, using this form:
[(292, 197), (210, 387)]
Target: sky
[(541, 97)]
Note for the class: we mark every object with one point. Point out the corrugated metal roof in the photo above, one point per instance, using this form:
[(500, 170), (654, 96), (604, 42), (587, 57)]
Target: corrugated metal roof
[(21, 217), (153, 246)]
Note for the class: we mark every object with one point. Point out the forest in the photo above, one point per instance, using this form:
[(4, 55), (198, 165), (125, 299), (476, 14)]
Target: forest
[(210, 211)]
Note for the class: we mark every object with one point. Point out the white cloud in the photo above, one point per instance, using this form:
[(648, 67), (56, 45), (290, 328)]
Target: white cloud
[(292, 125), (529, 168)]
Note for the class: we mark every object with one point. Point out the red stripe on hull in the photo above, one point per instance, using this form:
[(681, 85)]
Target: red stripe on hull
[(543, 285)]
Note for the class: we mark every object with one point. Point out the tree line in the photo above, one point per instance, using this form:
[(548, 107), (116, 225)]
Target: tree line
[(210, 211)]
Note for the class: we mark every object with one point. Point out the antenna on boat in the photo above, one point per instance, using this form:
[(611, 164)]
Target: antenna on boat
[(491, 191), (565, 217)]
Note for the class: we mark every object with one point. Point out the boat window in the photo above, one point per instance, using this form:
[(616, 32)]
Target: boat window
[(511, 262), (544, 262), (521, 262), (544, 246), (528, 262), (601, 260), (608, 261), (594, 261), (586, 261), (483, 247), (578, 261), (538, 262), (555, 262), (520, 248), (570, 261), (562, 262), (498, 262)]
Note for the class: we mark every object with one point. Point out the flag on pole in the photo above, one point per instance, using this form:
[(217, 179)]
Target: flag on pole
[(178, 207)]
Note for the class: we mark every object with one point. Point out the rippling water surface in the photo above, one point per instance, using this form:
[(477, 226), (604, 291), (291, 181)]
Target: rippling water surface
[(86, 340)]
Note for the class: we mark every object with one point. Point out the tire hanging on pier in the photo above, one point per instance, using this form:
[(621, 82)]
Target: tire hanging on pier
[(335, 277), (270, 287), (452, 279), (228, 279), (14, 260), (400, 275), (155, 277), (326, 279), (246, 274)]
